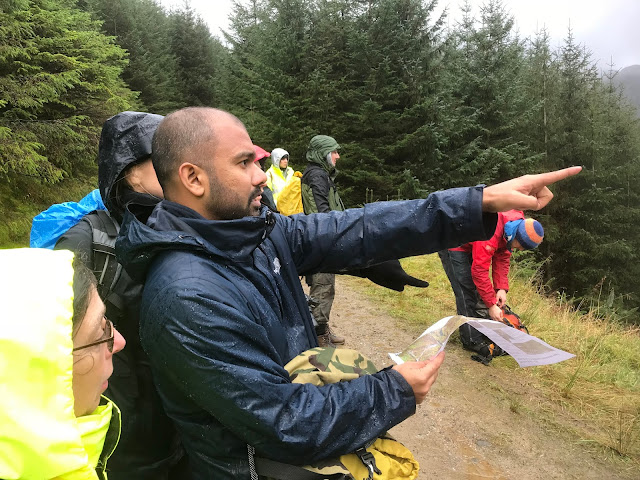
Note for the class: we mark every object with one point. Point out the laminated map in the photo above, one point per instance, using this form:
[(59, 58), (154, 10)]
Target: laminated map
[(526, 350)]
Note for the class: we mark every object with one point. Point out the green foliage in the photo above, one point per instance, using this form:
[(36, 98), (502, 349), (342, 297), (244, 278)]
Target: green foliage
[(197, 56), (142, 27), (592, 226), (416, 107), (485, 90), (21, 199), (267, 40), (59, 79), (174, 61)]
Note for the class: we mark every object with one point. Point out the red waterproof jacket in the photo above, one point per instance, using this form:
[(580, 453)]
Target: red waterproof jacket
[(491, 253)]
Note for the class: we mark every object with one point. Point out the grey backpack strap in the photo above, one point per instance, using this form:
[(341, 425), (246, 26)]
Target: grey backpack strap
[(263, 467), (284, 471), (105, 265)]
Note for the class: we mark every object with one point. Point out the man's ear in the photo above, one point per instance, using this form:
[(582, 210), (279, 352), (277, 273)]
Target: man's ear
[(193, 178)]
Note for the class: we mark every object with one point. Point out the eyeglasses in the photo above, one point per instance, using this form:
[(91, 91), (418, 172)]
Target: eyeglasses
[(109, 331)]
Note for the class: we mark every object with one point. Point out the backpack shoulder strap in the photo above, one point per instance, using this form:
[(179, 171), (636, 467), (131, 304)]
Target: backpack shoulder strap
[(284, 471), (105, 265)]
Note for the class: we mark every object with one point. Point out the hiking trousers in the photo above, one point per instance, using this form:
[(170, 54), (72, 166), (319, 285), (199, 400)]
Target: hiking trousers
[(323, 291)]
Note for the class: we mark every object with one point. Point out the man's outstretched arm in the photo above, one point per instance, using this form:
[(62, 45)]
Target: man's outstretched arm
[(390, 230)]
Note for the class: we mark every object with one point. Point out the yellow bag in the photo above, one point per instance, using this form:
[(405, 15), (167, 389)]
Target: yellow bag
[(393, 460), (289, 199)]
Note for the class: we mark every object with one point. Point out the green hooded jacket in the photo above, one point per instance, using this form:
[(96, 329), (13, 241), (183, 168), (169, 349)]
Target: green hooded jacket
[(319, 193), (40, 436)]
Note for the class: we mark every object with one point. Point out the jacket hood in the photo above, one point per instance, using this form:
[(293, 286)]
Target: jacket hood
[(277, 154), (124, 141), (170, 226), (40, 436), (261, 155), (319, 147)]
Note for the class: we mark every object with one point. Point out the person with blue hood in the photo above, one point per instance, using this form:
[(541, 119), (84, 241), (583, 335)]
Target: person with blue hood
[(56, 352), (478, 293), (223, 310), (149, 444)]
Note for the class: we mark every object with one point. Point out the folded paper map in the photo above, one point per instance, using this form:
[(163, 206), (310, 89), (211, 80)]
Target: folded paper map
[(525, 349)]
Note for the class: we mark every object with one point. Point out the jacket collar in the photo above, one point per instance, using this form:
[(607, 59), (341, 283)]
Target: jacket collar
[(172, 226), (100, 433), (330, 170)]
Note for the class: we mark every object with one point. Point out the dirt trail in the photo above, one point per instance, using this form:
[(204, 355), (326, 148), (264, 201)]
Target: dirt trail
[(477, 422)]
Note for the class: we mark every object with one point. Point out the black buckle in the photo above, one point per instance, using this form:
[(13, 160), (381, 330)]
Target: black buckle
[(369, 461), (482, 359)]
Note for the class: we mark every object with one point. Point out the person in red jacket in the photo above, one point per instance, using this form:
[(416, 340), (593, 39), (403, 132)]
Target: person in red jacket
[(481, 294)]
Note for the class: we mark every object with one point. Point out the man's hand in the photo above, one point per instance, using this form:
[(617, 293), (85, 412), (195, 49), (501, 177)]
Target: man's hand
[(501, 297), (495, 312), (528, 192), (421, 375)]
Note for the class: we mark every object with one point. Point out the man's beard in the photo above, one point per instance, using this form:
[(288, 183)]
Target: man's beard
[(254, 211), (221, 205)]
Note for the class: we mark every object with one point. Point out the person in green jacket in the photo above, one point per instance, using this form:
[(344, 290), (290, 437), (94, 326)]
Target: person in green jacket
[(56, 349), (319, 194)]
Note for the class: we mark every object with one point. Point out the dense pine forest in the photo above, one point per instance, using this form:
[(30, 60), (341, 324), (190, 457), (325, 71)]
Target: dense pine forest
[(417, 103)]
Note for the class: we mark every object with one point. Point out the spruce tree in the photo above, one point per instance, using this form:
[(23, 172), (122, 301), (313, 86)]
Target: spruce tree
[(59, 78), (487, 95), (382, 61), (268, 41), (593, 224), (142, 27), (540, 83), (199, 57)]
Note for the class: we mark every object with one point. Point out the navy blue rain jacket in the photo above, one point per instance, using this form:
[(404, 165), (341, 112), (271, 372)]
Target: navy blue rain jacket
[(223, 311)]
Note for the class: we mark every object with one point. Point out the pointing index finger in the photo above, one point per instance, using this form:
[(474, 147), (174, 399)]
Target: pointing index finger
[(552, 177)]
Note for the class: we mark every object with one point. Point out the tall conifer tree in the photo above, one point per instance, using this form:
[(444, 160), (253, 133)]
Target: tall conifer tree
[(59, 81), (593, 226), (486, 81), (199, 57), (142, 27)]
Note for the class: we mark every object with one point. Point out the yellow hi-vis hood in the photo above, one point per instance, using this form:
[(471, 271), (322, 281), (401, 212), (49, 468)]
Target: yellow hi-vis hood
[(40, 437)]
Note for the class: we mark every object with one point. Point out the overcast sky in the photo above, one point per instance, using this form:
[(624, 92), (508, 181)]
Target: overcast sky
[(608, 28)]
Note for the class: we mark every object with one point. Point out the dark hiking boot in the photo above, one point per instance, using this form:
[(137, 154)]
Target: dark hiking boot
[(337, 339), (326, 337), (324, 340)]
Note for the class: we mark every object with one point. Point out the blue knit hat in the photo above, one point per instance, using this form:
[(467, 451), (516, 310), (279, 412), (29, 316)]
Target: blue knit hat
[(528, 232)]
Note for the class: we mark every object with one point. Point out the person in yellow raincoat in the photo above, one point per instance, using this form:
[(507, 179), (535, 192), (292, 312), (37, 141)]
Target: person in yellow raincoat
[(56, 348), (280, 173)]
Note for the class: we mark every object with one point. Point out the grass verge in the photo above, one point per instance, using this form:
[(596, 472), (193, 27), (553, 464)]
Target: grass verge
[(22, 198)]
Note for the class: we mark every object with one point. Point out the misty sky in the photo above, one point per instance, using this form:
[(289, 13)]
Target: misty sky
[(608, 28)]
